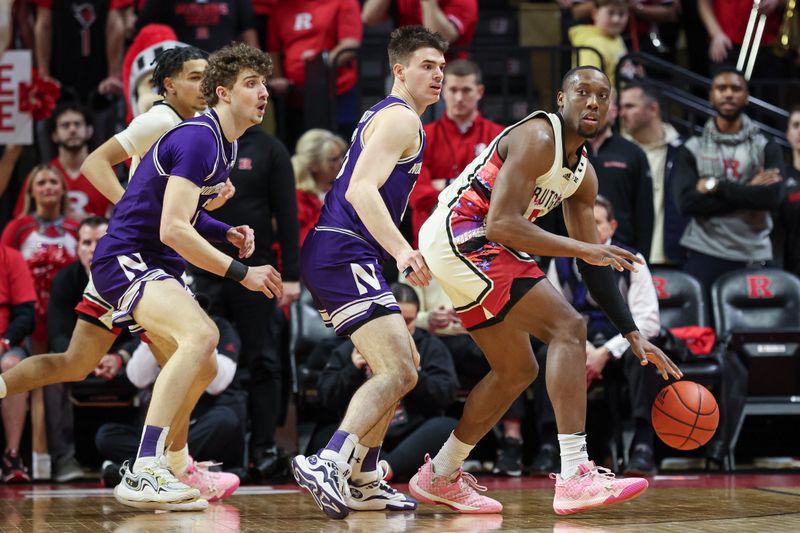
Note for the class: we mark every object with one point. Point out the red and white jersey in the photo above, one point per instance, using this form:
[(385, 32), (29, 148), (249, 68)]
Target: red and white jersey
[(468, 197)]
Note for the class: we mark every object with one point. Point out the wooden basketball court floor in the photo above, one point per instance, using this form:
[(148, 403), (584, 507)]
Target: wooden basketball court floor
[(707, 503)]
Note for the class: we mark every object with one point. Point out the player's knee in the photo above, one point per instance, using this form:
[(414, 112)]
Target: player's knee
[(207, 367), (409, 378), (571, 330), (402, 378), (519, 376), (202, 341)]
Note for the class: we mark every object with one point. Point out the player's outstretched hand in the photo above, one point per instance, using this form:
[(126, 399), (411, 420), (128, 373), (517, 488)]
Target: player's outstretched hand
[(647, 352), (610, 255), (244, 238), (264, 279), (412, 266)]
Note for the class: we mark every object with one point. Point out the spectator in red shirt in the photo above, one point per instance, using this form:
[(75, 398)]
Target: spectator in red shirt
[(453, 141), (726, 22), (455, 20), (316, 163), (17, 302), (301, 30), (71, 131)]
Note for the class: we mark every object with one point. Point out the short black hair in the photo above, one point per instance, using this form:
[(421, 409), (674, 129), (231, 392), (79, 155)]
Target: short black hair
[(404, 294), (727, 69), (170, 62), (649, 93), (571, 72), (66, 107), (93, 222), (406, 40)]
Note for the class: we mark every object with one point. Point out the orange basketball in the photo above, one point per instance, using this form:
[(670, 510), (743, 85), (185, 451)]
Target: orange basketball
[(685, 415)]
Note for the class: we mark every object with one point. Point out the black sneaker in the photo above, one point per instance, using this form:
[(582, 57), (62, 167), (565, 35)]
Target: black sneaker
[(109, 474), (509, 458), (14, 470), (641, 462), (546, 461), (271, 465)]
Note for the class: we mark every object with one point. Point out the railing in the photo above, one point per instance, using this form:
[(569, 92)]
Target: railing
[(521, 79), (681, 87)]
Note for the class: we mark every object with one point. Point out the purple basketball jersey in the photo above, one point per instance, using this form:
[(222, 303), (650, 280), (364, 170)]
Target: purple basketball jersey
[(132, 252), (340, 260), (337, 213)]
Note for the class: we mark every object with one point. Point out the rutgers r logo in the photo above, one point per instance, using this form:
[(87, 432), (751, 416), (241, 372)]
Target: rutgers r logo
[(758, 287), (661, 287)]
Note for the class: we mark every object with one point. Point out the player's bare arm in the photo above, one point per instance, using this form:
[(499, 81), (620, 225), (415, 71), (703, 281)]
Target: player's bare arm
[(392, 135), (99, 169), (579, 218), (176, 231), (528, 153)]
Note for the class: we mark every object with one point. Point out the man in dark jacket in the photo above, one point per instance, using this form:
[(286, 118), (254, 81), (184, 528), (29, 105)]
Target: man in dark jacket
[(265, 195)]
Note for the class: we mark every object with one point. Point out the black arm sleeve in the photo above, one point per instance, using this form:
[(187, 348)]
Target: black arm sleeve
[(603, 287), (20, 322), (283, 200)]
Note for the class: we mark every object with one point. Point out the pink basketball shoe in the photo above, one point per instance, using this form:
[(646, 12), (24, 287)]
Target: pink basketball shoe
[(213, 486), (458, 491), (593, 486)]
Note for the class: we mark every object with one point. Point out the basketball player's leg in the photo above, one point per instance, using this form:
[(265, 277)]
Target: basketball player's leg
[(389, 351), (212, 485), (545, 313), (166, 310), (387, 347), (541, 311), (88, 344)]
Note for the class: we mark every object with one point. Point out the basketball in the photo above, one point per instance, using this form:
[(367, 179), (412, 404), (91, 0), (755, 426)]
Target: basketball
[(685, 415)]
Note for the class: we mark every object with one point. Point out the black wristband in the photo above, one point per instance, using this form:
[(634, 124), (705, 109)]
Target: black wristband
[(237, 271), (602, 284)]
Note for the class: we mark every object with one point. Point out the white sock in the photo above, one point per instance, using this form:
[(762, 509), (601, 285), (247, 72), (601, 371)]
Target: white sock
[(3, 389), (345, 452), (178, 460), (573, 453), (451, 456), (146, 459)]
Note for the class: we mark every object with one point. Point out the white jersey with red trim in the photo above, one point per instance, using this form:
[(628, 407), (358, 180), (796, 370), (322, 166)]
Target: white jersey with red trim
[(468, 197)]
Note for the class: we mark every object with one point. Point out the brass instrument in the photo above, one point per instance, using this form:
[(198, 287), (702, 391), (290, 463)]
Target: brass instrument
[(788, 35), (749, 48)]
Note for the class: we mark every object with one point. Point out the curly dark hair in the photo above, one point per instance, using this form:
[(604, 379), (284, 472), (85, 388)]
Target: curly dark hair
[(170, 62), (406, 40), (224, 67)]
